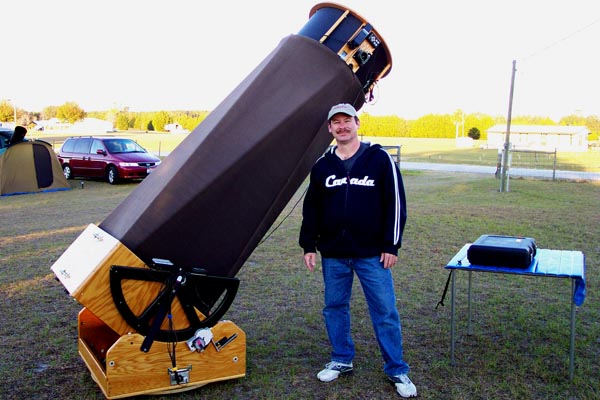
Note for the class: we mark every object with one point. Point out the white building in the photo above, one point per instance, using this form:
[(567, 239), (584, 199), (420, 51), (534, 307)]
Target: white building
[(93, 126), (175, 128), (540, 137), (52, 124), (86, 125)]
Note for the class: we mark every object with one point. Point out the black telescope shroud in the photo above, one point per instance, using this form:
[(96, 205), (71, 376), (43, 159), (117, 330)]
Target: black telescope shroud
[(215, 196)]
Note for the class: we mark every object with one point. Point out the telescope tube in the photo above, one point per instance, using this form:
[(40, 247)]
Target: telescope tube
[(212, 200)]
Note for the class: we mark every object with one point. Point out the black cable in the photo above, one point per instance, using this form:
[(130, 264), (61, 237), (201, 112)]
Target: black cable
[(268, 235), (284, 218)]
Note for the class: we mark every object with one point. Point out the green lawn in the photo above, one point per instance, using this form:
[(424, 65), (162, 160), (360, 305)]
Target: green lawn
[(518, 350)]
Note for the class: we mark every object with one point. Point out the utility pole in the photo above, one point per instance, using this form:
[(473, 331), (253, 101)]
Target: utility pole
[(504, 179)]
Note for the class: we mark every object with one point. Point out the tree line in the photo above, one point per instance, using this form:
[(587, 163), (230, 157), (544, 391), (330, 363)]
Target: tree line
[(458, 124)]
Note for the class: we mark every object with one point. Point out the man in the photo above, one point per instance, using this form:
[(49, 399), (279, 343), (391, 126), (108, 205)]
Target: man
[(354, 214)]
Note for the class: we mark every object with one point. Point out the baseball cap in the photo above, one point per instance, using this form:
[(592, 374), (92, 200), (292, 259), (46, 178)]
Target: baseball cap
[(344, 108)]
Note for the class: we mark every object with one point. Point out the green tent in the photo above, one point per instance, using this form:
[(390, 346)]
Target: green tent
[(30, 167)]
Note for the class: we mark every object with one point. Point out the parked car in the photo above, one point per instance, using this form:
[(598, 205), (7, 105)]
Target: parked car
[(110, 158), (5, 135)]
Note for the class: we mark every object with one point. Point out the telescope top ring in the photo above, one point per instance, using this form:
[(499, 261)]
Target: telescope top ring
[(356, 15)]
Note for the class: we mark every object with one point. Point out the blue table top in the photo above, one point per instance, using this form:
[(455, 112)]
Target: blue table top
[(551, 263)]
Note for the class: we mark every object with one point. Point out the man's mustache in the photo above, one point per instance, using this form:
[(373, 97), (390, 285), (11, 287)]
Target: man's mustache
[(340, 130)]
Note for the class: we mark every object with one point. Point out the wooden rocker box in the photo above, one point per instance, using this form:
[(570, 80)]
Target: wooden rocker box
[(111, 348)]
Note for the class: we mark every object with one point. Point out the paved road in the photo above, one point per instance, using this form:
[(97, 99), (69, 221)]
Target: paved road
[(520, 172)]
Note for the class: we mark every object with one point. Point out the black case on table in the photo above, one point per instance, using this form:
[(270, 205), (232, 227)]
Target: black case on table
[(502, 251)]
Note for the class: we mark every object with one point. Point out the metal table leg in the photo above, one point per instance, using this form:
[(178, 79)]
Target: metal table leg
[(469, 330), (572, 345), (452, 322)]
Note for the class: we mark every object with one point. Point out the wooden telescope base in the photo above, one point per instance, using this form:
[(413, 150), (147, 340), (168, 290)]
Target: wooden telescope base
[(121, 369)]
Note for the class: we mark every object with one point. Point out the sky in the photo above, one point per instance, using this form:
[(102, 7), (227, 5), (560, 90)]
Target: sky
[(151, 55)]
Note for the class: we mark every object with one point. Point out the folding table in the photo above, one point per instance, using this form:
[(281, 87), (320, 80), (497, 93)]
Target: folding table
[(546, 263)]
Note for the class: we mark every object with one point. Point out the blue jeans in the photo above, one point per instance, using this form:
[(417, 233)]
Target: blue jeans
[(378, 287)]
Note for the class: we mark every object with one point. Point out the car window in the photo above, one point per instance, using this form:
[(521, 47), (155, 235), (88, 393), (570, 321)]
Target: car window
[(133, 147), (113, 146), (97, 145), (123, 146), (69, 146), (83, 145), (4, 139)]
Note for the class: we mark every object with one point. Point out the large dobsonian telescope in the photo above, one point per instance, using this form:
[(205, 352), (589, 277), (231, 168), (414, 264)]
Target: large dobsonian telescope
[(160, 269)]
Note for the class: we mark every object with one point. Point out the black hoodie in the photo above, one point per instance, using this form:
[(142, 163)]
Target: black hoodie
[(357, 214)]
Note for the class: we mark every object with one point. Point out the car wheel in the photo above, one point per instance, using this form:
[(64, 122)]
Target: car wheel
[(67, 171), (112, 175)]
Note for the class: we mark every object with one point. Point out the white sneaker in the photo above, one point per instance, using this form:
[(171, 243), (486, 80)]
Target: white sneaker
[(404, 385), (333, 370)]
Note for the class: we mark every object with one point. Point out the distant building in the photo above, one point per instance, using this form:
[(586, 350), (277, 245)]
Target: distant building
[(175, 128), (86, 125), (540, 137), (9, 125), (92, 125), (52, 124)]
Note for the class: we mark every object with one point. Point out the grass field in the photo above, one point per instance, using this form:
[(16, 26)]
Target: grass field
[(518, 350)]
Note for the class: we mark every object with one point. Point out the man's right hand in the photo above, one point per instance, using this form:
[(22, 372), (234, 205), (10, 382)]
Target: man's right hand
[(310, 260)]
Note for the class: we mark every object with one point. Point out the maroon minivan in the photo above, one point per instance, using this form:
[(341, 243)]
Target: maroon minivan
[(110, 158)]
